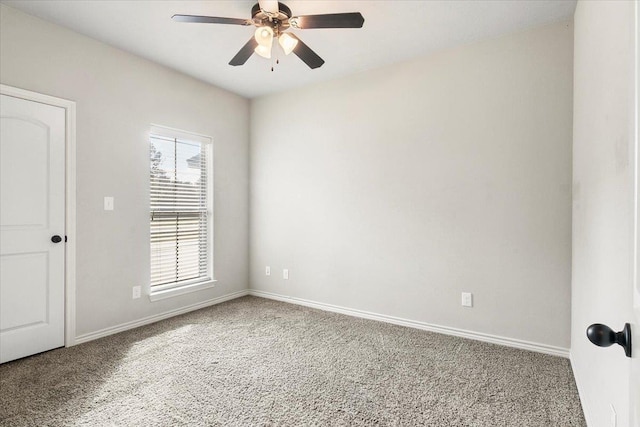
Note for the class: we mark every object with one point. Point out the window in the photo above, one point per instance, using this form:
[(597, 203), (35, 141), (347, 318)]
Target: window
[(180, 212)]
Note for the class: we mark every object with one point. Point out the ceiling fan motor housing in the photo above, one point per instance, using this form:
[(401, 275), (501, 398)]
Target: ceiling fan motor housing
[(277, 21)]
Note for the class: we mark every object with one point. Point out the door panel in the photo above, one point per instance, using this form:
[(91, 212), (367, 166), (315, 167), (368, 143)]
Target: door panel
[(25, 305), (33, 149), (32, 210)]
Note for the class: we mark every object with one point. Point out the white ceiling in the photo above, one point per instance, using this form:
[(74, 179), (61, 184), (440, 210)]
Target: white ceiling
[(393, 31)]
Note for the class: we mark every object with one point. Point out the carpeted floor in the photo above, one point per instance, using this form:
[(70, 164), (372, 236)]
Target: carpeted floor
[(257, 362)]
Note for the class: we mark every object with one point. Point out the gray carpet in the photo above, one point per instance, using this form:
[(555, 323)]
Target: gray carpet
[(256, 362)]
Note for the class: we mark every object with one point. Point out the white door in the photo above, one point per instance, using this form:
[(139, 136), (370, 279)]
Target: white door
[(32, 212), (634, 389), (604, 232)]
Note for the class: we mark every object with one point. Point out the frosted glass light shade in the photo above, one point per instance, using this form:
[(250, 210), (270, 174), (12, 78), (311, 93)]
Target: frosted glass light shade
[(263, 51), (287, 42), (264, 36), (269, 6)]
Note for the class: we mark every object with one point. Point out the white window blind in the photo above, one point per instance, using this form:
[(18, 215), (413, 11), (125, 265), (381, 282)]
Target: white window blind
[(179, 214)]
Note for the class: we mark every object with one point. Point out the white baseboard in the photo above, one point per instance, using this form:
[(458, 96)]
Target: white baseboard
[(494, 339), (156, 317), (583, 396), (478, 336)]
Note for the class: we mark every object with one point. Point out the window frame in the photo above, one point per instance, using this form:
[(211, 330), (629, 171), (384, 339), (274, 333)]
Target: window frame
[(159, 292)]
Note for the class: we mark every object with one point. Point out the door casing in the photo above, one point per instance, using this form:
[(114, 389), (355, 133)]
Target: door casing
[(634, 388)]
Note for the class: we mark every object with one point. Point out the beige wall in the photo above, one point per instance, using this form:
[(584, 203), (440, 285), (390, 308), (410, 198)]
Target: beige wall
[(394, 190), (603, 202), (118, 96)]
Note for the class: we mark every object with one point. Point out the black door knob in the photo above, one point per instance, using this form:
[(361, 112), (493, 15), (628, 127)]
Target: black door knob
[(56, 239), (603, 336)]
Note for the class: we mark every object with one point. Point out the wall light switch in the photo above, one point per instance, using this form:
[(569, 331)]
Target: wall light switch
[(467, 299), (285, 274), (108, 203), (267, 271), (137, 290)]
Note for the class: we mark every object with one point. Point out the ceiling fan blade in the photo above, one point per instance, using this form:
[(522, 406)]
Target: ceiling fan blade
[(332, 20), (211, 20), (244, 53), (270, 6), (307, 55)]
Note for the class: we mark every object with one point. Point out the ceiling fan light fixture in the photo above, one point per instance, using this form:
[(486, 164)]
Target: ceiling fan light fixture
[(264, 36), (287, 42), (263, 51), (269, 6)]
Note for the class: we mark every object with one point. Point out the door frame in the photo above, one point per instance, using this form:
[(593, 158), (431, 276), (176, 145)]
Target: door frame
[(634, 369), (636, 146), (70, 200)]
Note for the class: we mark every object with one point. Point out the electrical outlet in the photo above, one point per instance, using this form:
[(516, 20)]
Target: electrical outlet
[(108, 203), (285, 274), (614, 418), (137, 290), (267, 271), (467, 299)]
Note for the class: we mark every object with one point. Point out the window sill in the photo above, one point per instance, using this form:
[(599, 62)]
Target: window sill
[(170, 293)]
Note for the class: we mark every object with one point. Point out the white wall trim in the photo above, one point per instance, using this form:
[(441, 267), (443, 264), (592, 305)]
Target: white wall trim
[(70, 202), (478, 336), (581, 395), (156, 317)]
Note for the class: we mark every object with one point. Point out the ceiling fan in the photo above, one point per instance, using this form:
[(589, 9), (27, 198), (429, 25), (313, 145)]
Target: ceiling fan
[(272, 19)]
